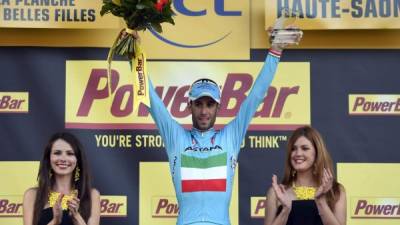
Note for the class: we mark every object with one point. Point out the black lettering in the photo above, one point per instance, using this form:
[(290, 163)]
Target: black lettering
[(370, 8), (203, 149), (311, 8), (5, 2), (384, 8), (45, 16), (335, 8), (357, 11), (7, 14), (92, 15), (298, 8), (323, 8)]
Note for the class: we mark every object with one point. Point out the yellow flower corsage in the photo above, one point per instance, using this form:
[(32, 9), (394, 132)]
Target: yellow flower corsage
[(53, 196), (304, 192)]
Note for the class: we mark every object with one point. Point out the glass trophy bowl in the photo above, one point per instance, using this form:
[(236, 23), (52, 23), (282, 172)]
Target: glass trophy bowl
[(283, 31)]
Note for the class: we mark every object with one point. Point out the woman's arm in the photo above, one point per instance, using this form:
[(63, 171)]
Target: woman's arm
[(277, 193), (94, 218), (28, 205), (338, 215)]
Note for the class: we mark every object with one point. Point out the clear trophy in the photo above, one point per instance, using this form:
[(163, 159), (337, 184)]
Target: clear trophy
[(283, 31)]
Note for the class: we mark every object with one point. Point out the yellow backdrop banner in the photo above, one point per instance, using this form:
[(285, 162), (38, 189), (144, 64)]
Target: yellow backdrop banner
[(372, 192), (88, 105)]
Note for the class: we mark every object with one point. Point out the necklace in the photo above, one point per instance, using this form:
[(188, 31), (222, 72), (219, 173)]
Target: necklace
[(53, 196), (304, 192)]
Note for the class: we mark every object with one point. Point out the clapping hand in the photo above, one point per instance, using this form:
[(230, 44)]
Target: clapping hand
[(73, 206), (57, 211), (281, 193), (326, 185)]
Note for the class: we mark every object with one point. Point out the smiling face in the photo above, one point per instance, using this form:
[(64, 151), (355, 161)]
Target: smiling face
[(62, 158), (302, 155), (204, 112)]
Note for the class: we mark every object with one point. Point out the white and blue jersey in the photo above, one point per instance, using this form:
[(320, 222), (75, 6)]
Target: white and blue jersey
[(202, 164)]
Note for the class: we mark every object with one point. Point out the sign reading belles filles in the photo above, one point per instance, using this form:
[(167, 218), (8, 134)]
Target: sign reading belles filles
[(54, 14)]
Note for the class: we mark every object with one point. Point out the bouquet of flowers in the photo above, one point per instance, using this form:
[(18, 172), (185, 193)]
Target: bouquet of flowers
[(138, 15)]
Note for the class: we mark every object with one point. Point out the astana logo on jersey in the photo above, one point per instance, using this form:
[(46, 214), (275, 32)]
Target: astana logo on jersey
[(204, 174)]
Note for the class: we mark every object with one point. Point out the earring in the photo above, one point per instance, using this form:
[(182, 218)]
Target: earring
[(293, 173), (50, 174), (77, 175)]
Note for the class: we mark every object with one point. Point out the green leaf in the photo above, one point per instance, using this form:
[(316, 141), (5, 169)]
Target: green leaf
[(140, 6), (157, 27)]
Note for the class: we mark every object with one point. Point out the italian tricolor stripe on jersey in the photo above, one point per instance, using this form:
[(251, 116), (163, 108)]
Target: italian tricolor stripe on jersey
[(203, 174)]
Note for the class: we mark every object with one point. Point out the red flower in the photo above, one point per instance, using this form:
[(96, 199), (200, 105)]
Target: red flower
[(160, 5)]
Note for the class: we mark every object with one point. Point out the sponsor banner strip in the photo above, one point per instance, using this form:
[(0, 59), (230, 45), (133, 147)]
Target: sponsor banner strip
[(374, 104), (14, 102)]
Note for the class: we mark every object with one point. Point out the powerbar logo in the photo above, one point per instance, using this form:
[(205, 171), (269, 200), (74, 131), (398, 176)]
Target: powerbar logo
[(164, 207), (89, 104), (14, 102), (10, 206), (110, 206), (258, 205), (113, 206), (375, 207), (369, 104)]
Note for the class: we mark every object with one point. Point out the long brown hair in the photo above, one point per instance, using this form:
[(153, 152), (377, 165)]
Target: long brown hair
[(322, 160), (46, 180)]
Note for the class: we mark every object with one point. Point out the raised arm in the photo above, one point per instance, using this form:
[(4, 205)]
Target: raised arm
[(238, 126), (169, 129)]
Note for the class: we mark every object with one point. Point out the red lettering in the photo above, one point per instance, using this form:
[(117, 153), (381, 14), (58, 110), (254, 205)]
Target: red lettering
[(234, 91), (107, 207), (266, 109), (161, 204), (359, 102), (245, 80), (387, 210), (121, 92), (374, 106), (4, 101), (9, 208), (280, 102), (103, 205), (397, 105), (3, 205), (361, 204), (180, 100), (169, 208), (261, 204), (377, 209), (93, 91)]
